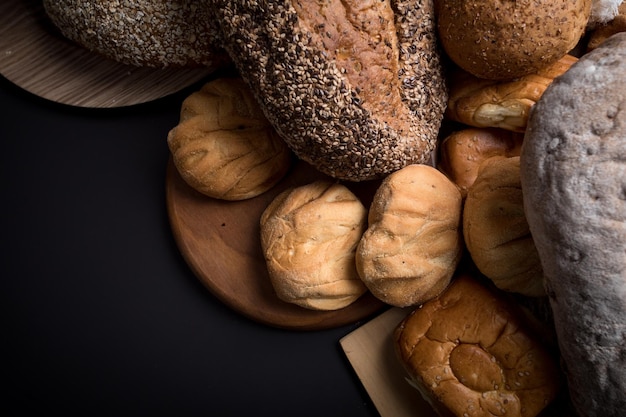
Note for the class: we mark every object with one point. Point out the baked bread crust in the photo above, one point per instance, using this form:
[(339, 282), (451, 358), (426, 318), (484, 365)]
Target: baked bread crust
[(496, 232), (495, 103), (413, 242), (143, 33), (223, 146), (462, 152), (509, 39), (309, 236), (573, 172), (355, 88), (469, 353)]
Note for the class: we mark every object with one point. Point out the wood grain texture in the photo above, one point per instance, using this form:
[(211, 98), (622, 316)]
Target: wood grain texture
[(34, 56), (220, 241), (371, 353)]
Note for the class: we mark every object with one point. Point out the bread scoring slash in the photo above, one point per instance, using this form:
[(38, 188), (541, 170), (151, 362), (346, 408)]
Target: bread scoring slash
[(356, 88)]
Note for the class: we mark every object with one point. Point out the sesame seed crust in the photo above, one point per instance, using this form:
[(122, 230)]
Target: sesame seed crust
[(143, 33), (310, 99)]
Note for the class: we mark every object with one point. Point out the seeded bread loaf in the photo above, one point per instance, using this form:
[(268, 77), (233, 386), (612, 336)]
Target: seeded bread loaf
[(161, 33), (573, 176), (355, 87)]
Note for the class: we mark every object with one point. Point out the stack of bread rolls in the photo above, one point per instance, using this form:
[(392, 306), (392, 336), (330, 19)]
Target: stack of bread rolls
[(431, 103)]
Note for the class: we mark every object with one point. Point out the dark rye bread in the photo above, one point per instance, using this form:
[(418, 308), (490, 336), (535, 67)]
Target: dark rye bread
[(355, 87), (573, 176)]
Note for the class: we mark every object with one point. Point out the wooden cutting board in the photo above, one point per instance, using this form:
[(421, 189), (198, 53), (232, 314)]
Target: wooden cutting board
[(37, 58), (371, 353)]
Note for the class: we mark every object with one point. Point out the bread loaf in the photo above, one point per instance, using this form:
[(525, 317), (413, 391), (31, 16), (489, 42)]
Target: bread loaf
[(470, 354), (573, 172), (145, 33), (355, 88), (496, 231)]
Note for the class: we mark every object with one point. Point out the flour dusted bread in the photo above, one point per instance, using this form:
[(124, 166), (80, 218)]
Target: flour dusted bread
[(470, 354), (145, 33), (309, 236), (573, 172), (356, 88), (413, 241)]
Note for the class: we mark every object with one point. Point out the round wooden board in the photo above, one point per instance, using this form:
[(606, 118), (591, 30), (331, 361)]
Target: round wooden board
[(38, 59), (220, 242)]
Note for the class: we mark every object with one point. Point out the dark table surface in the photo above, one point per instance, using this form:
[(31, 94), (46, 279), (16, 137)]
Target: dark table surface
[(100, 315)]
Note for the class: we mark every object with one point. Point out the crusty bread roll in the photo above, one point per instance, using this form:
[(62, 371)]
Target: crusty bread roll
[(223, 146), (470, 354), (145, 33), (496, 232), (309, 236), (573, 173), (413, 242), (462, 152), (355, 88), (509, 39), (503, 104)]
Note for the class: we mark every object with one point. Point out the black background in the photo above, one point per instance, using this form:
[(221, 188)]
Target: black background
[(100, 315)]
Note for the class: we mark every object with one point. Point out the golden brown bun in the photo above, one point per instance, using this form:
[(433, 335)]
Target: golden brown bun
[(309, 236), (355, 88), (496, 232), (413, 242), (504, 104), (223, 146), (470, 354), (508, 39), (143, 33), (462, 152)]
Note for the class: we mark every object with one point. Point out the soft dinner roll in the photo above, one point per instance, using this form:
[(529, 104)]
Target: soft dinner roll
[(496, 231), (309, 236), (413, 242), (223, 146)]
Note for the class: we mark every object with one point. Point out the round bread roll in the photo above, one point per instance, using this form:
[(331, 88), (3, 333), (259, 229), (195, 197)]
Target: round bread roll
[(462, 152), (355, 88), (508, 39), (469, 353), (223, 146), (573, 176), (144, 33), (413, 242), (496, 232), (309, 236)]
